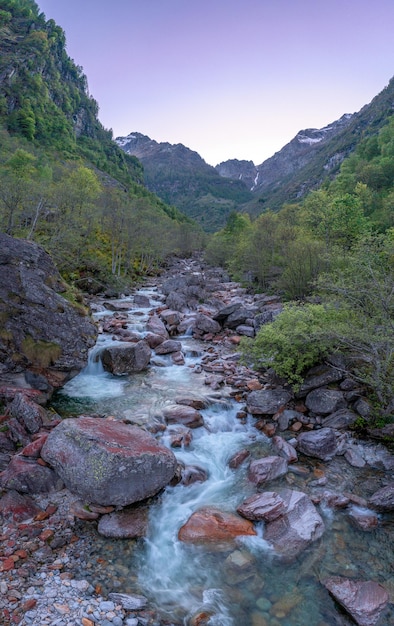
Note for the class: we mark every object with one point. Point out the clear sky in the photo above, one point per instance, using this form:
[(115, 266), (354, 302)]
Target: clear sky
[(228, 78)]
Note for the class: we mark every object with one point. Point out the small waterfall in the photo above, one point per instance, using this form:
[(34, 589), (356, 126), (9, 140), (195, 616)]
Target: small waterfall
[(94, 366)]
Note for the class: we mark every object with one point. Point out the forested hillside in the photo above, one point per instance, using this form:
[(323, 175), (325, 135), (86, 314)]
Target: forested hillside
[(63, 180), (332, 258)]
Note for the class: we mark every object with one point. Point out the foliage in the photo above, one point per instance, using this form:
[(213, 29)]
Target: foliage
[(356, 318), (295, 341)]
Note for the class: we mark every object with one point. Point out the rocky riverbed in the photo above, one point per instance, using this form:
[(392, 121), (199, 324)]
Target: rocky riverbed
[(300, 472)]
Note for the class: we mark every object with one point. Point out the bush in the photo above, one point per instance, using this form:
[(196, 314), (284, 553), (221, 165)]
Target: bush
[(295, 341)]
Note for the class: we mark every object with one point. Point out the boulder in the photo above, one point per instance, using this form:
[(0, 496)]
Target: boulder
[(141, 300), (266, 469), (28, 413), (363, 600), (298, 527), (383, 499), (223, 313), (157, 327), (170, 318), (107, 462), (27, 476), (321, 444), (285, 449), (17, 507), (186, 415), (42, 332), (126, 358), (319, 376), (340, 419), (267, 401), (325, 401), (127, 524), (210, 525), (238, 458), (168, 346), (237, 318), (267, 315), (265, 507), (204, 324)]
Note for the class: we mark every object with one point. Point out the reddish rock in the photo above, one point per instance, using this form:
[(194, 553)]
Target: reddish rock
[(196, 403), (238, 458), (265, 506), (363, 600), (18, 507), (193, 474), (186, 415), (26, 475), (33, 449), (181, 439), (178, 358), (126, 524), (284, 449), (168, 346), (364, 519), (154, 340), (170, 318), (254, 385), (335, 500), (107, 462), (81, 511), (266, 469), (28, 413), (383, 499), (210, 525), (157, 327), (299, 526)]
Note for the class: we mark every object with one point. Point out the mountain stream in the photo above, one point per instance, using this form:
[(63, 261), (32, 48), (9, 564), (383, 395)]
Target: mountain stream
[(246, 584)]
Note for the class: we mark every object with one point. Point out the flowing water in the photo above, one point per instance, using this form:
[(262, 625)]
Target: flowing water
[(245, 584)]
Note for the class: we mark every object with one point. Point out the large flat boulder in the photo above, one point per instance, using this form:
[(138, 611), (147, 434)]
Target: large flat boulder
[(267, 401), (266, 469), (210, 525), (293, 531), (363, 600), (42, 332), (107, 462), (325, 401), (321, 444)]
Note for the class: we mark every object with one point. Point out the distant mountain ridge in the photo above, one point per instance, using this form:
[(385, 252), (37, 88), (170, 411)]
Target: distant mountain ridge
[(180, 177), (312, 156)]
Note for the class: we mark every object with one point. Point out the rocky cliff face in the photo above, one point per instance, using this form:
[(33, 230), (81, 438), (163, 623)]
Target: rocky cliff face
[(44, 339), (239, 170)]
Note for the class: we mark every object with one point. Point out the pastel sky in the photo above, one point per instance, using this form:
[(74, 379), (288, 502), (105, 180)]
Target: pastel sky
[(228, 78)]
